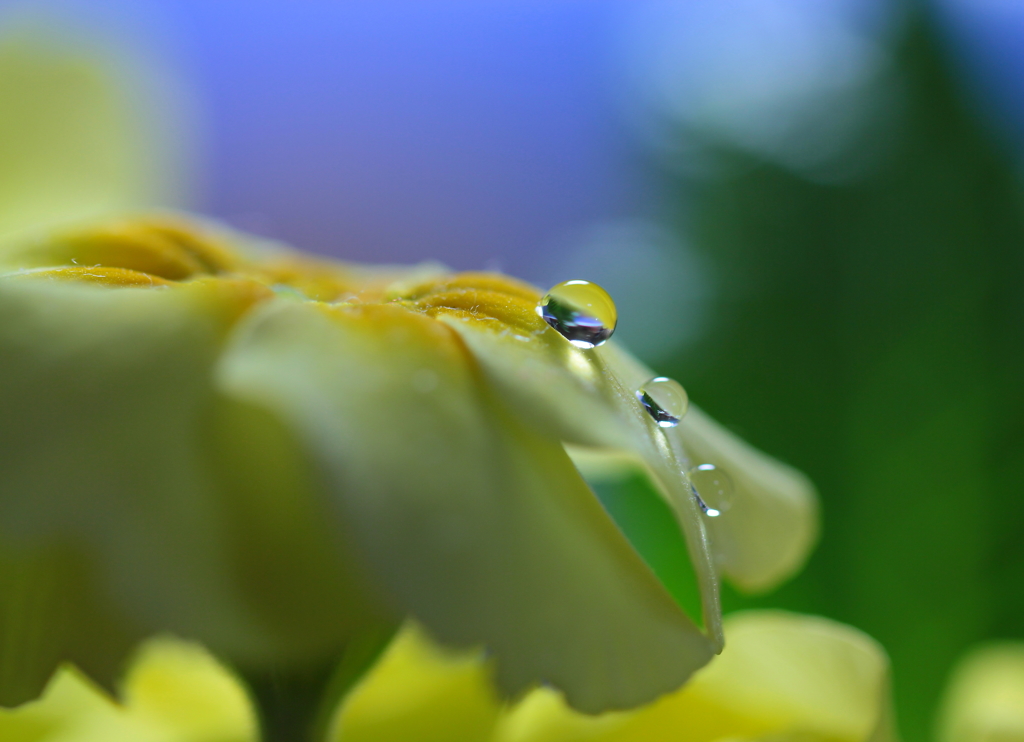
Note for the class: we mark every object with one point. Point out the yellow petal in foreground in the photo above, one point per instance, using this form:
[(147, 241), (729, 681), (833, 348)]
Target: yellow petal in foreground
[(421, 692), (782, 676), (175, 692), (985, 698)]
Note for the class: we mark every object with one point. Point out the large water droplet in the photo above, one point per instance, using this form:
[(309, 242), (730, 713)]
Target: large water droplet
[(712, 488), (580, 311), (665, 400)]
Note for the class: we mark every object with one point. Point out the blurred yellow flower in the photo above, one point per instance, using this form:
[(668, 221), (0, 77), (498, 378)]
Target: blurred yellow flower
[(174, 692), (782, 677), (85, 129), (985, 698)]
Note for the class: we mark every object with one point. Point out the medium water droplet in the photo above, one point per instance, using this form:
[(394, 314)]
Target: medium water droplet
[(665, 400), (580, 311), (712, 488)]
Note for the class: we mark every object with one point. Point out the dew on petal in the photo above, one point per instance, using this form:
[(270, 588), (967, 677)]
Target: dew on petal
[(580, 311), (712, 488), (665, 400)]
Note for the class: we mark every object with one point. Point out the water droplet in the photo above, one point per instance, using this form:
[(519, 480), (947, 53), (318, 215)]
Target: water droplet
[(580, 311), (665, 400), (712, 488)]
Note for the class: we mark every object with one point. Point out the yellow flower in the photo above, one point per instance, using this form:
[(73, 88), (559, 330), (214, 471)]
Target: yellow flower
[(273, 454)]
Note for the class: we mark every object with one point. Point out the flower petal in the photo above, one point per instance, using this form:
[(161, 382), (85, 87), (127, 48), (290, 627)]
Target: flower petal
[(116, 446), (98, 392), (53, 610), (179, 689), (810, 677), (985, 698), (72, 709), (476, 524), (419, 691), (772, 524), (76, 139), (768, 532), (588, 398), (174, 691), (782, 677), (578, 396)]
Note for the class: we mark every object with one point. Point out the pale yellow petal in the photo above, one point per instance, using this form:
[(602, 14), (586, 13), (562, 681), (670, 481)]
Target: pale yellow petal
[(167, 506), (985, 698), (801, 675), (178, 688), (771, 526), (175, 692), (781, 677), (477, 525), (99, 393), (582, 397), (419, 691), (69, 703), (83, 131)]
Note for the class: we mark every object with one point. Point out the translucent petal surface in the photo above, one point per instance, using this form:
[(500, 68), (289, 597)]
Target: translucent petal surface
[(479, 526), (588, 398), (772, 525)]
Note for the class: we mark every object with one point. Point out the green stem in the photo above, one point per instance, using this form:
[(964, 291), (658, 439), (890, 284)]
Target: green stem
[(288, 704), (300, 706)]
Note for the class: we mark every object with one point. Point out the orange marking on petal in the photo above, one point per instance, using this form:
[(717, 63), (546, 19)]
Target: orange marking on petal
[(194, 241), (106, 276), (489, 282), (509, 309)]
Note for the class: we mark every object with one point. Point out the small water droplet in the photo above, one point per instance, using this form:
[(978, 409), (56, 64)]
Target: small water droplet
[(580, 311), (712, 488), (665, 400)]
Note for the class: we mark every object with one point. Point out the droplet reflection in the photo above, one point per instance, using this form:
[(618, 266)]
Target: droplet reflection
[(580, 311), (712, 488), (665, 400)]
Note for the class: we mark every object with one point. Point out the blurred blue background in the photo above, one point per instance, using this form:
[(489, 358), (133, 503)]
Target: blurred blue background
[(808, 211)]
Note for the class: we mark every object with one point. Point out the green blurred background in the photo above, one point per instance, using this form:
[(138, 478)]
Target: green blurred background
[(871, 332)]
